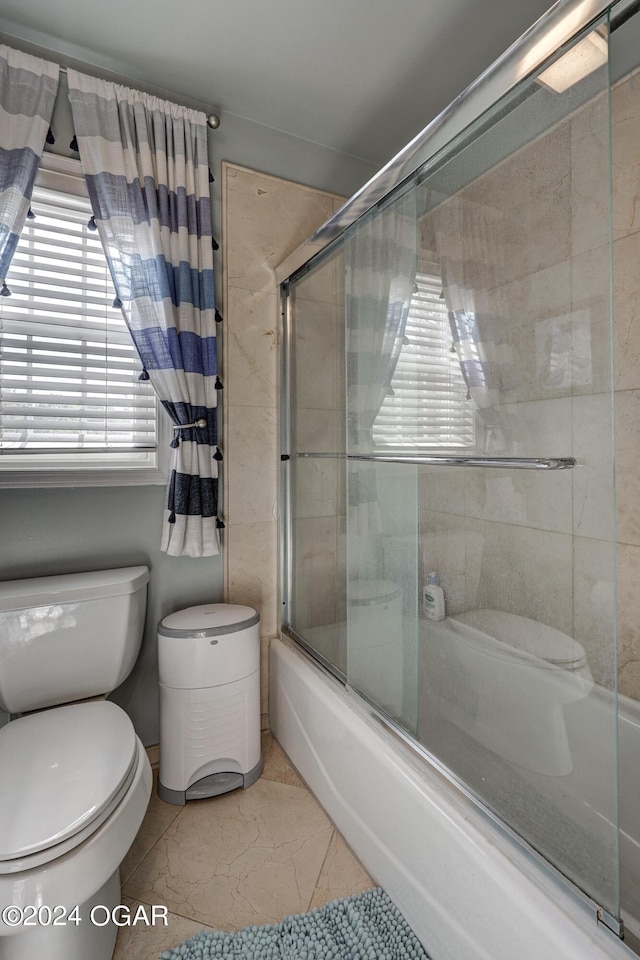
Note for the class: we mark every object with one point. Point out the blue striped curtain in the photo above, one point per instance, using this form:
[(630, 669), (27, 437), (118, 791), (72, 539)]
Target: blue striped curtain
[(147, 173), (28, 88)]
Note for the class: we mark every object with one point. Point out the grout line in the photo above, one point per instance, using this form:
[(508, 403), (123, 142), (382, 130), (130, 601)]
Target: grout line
[(324, 860)]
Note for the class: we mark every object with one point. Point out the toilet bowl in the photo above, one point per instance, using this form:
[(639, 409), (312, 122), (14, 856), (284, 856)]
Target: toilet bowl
[(503, 680), (76, 779)]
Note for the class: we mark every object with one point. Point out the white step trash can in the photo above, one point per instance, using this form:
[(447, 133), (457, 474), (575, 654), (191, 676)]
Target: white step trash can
[(209, 670)]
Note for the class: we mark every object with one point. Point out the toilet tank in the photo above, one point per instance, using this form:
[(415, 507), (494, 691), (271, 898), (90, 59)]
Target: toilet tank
[(66, 638)]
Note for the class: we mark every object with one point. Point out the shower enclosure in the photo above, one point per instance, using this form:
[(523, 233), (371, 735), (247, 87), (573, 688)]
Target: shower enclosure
[(448, 422)]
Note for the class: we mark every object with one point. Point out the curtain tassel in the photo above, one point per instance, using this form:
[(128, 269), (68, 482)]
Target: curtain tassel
[(391, 392), (74, 144), (50, 137), (212, 179), (171, 518), (405, 341), (30, 214), (5, 292), (215, 244), (91, 225), (144, 375), (219, 317), (218, 455), (117, 303), (219, 524), (175, 443), (219, 384)]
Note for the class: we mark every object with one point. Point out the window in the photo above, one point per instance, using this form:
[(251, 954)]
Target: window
[(70, 397), (428, 407)]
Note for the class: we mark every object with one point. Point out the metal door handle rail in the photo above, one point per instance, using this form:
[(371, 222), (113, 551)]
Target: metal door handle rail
[(442, 460), (506, 463)]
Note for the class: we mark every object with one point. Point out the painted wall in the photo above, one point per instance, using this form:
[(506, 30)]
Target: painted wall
[(48, 531)]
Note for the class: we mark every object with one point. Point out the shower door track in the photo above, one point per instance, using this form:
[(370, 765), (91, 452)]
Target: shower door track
[(505, 463)]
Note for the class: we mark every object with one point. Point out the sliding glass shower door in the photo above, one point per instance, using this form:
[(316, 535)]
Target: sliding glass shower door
[(451, 498)]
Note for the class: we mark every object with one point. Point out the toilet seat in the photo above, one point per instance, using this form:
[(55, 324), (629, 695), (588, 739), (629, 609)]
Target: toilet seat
[(367, 593), (510, 636), (83, 757)]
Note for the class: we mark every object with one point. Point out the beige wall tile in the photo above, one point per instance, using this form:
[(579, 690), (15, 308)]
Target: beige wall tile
[(626, 276), (450, 546), (592, 479), (250, 464), (315, 590), (532, 316), (253, 570), (251, 332), (590, 199), (324, 282), (319, 482), (628, 569), (629, 679), (318, 431), (528, 195), (266, 218), (317, 360), (625, 133), (590, 345), (627, 443), (527, 429), (528, 572), (594, 606)]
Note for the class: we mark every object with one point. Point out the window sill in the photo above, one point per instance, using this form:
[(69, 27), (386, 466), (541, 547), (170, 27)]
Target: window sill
[(96, 477)]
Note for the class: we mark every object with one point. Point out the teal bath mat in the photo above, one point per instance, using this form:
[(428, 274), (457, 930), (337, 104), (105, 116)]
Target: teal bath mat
[(366, 926)]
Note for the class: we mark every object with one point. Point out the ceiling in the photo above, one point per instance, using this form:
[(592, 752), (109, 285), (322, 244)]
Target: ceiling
[(359, 76)]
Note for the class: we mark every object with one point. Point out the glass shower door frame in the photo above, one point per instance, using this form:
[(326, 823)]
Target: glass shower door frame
[(601, 914)]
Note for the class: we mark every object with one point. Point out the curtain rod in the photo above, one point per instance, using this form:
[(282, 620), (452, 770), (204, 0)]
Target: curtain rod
[(213, 119), (38, 50)]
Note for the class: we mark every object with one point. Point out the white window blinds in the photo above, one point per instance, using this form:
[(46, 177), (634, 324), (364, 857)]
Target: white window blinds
[(428, 407), (68, 368)]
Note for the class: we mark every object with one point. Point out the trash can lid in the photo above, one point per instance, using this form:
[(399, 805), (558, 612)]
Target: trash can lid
[(208, 620)]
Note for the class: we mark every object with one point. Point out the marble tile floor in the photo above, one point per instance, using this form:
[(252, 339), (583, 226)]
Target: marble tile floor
[(249, 857)]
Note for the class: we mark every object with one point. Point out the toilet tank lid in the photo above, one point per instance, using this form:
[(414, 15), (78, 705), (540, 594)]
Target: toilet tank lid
[(65, 588), (208, 620)]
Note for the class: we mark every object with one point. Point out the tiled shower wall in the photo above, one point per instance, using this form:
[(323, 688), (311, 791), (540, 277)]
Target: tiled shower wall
[(530, 543), (264, 219), (542, 545)]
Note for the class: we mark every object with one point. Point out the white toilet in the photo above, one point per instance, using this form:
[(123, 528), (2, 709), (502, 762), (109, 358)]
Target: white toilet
[(75, 779), (503, 680)]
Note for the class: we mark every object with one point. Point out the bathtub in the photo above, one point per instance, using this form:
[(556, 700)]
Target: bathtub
[(468, 889)]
